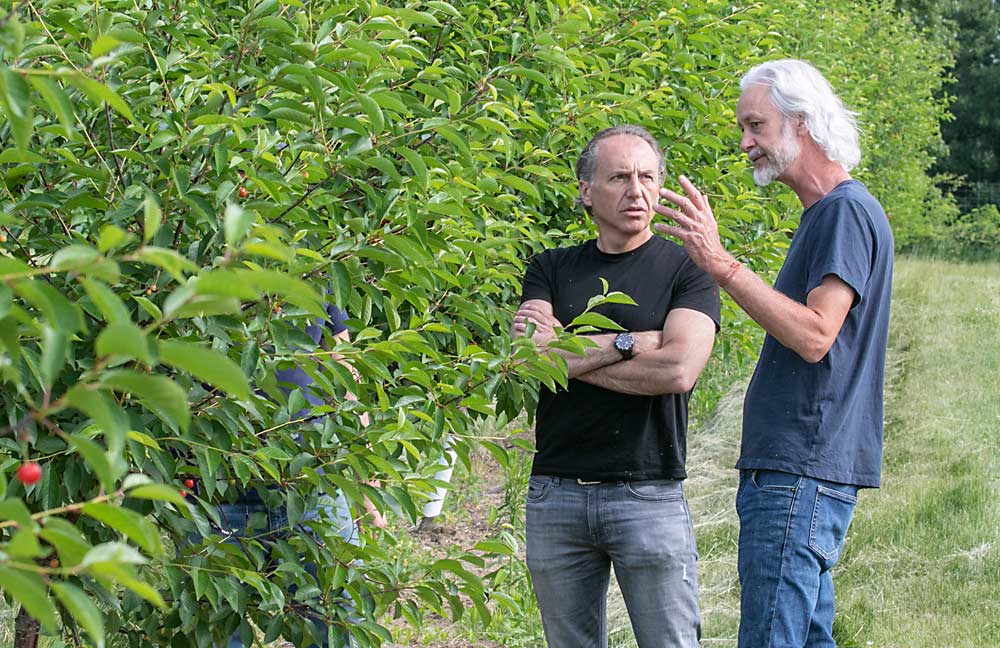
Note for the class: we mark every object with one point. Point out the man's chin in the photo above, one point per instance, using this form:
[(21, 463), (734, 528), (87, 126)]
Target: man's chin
[(764, 177)]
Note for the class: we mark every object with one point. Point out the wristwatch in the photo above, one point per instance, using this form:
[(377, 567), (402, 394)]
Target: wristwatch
[(623, 343)]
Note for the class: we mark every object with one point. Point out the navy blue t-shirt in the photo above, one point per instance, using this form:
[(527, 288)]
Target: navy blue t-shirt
[(824, 420), (289, 379)]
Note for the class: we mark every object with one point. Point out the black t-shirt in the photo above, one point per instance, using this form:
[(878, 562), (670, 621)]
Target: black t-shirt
[(592, 433)]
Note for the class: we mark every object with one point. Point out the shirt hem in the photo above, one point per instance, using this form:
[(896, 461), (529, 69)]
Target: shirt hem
[(815, 472)]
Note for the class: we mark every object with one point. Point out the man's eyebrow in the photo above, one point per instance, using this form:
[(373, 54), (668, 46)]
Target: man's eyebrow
[(616, 170)]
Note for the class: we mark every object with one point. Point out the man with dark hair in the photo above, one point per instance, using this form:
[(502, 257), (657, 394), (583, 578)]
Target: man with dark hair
[(812, 418), (606, 483)]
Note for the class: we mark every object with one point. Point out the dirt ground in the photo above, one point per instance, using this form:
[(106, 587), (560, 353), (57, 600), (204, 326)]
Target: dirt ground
[(462, 524)]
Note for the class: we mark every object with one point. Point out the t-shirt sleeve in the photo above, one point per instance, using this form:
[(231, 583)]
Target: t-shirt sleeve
[(696, 290), (538, 278), (843, 247), (335, 319)]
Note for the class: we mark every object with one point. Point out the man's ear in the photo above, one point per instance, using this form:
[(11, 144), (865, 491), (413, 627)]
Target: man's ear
[(584, 188)]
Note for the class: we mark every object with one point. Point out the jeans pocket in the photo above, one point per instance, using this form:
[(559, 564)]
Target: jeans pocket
[(775, 480), (832, 515), (655, 490), (538, 488)]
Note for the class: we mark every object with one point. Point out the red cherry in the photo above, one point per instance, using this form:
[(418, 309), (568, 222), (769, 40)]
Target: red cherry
[(189, 483), (29, 473), (184, 493), (243, 192)]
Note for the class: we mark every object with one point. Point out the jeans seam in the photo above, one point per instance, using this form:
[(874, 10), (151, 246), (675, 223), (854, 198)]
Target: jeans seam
[(670, 496), (784, 548)]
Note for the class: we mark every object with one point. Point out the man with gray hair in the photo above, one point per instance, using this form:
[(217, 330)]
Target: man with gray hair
[(606, 482), (812, 417)]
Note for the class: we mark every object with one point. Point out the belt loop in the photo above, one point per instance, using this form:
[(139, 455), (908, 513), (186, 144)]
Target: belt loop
[(556, 481)]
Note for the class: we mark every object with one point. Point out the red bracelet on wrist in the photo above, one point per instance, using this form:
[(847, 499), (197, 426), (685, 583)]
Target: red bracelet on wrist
[(734, 267)]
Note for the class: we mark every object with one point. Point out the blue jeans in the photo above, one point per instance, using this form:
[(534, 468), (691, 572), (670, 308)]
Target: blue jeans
[(792, 529), (256, 520), (576, 532)]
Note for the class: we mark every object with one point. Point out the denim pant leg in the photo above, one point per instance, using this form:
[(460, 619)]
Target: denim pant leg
[(651, 542), (792, 529), (337, 514), (236, 522), (569, 571)]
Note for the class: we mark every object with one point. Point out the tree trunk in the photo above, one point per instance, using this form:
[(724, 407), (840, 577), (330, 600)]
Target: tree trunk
[(25, 630)]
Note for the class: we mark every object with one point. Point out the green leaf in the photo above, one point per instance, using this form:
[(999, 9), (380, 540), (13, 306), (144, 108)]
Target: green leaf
[(69, 542), (24, 546), (495, 547), (158, 393), (151, 309), (596, 320), (75, 257), (125, 339), (112, 236), (100, 94), (295, 508), (29, 590), (59, 312), (96, 458), (237, 223), (169, 260), (144, 439), (151, 218), (206, 364), (103, 45), (55, 345), (103, 410), (14, 509), (160, 492), (115, 553), (15, 100), (416, 162), (110, 305), (10, 267), (82, 609), (114, 570), (20, 156), (56, 100), (139, 529)]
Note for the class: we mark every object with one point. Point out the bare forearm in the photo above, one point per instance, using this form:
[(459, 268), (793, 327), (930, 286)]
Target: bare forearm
[(793, 324), (594, 357), (640, 378), (671, 367)]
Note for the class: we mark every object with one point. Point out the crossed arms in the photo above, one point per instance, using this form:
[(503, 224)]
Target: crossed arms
[(667, 361)]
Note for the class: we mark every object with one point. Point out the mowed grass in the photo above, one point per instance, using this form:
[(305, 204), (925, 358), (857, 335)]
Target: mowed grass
[(921, 566)]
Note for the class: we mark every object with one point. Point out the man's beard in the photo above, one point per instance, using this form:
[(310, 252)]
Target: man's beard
[(777, 160)]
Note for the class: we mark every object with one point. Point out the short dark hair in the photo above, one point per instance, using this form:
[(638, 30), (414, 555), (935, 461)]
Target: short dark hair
[(588, 158)]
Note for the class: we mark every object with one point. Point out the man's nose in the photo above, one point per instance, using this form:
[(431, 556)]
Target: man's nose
[(634, 185), (747, 142)]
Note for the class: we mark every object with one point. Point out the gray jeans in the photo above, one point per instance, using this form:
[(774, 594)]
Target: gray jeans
[(576, 532)]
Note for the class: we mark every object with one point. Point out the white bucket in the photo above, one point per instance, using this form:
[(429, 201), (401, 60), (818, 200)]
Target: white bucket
[(447, 462)]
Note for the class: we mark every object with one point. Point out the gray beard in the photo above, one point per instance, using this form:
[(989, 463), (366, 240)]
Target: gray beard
[(777, 162)]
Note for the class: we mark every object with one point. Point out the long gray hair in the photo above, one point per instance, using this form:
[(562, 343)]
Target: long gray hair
[(798, 89)]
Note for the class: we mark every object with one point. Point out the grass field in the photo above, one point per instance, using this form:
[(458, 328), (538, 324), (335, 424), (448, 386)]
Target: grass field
[(921, 568)]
